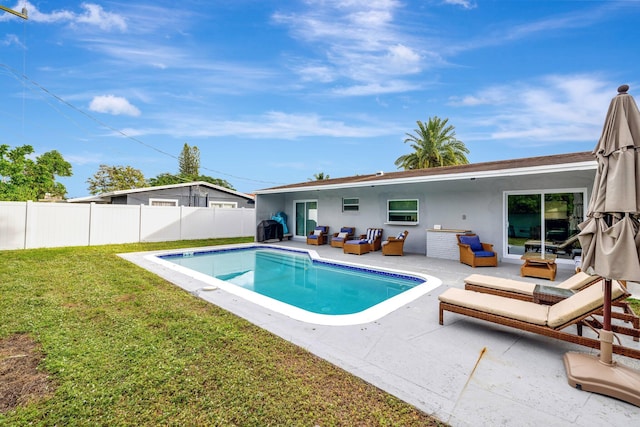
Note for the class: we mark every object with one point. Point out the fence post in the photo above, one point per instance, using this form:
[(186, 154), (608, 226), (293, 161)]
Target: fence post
[(26, 224), (90, 223)]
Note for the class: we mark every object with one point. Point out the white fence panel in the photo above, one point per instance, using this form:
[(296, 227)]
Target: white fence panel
[(227, 225), (37, 225), (114, 224), (159, 223), (57, 224), (198, 222), (13, 225)]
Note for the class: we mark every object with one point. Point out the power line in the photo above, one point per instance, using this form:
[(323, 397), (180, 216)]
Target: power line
[(118, 131)]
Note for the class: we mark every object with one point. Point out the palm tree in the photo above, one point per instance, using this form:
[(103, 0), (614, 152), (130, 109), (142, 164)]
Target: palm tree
[(320, 176), (435, 144)]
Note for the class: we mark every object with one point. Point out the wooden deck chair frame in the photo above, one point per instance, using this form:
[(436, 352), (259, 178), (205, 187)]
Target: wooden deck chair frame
[(627, 315), (547, 331)]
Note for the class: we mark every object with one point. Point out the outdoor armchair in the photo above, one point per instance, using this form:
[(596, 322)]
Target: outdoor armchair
[(475, 253), (395, 245), (371, 241), (318, 236), (338, 239)]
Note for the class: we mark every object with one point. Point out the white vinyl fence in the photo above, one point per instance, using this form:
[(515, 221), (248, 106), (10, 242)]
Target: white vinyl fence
[(25, 225)]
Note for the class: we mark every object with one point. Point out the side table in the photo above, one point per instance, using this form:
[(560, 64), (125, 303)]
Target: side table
[(550, 295), (539, 265)]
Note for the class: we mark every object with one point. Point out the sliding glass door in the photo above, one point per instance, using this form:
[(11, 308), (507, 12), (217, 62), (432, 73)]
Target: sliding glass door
[(306, 216), (545, 222)]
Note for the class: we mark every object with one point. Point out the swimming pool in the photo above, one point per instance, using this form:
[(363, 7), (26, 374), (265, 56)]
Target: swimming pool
[(299, 284)]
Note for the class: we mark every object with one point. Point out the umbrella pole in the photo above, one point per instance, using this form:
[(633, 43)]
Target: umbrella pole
[(606, 336), (601, 374)]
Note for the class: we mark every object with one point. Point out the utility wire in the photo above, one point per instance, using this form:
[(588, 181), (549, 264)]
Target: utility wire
[(118, 131)]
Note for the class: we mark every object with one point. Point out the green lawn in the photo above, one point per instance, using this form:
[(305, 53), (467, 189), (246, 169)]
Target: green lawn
[(123, 347)]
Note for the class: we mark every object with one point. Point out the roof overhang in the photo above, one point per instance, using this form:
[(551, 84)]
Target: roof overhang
[(461, 176)]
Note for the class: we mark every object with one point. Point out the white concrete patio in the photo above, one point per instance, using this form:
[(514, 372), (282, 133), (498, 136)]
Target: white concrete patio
[(466, 372)]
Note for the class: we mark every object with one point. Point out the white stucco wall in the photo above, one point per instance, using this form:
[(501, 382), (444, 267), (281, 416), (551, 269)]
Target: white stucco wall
[(475, 205)]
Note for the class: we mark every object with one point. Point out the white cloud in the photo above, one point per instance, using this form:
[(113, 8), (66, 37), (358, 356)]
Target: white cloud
[(92, 15), (12, 39), (272, 124), (358, 40), (115, 105), (466, 4), (555, 108)]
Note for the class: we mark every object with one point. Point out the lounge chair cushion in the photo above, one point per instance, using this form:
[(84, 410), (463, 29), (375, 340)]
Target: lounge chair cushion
[(484, 254), (500, 283), (501, 306), (580, 304), (400, 236), (577, 281), (473, 242), (357, 242), (345, 230)]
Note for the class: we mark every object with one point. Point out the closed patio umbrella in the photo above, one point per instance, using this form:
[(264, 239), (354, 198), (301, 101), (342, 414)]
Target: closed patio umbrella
[(610, 241)]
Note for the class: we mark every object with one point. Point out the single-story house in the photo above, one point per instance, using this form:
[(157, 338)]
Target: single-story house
[(536, 202), (195, 194)]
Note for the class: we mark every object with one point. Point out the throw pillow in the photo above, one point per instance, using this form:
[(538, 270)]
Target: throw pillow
[(342, 235), (317, 232), (472, 241)]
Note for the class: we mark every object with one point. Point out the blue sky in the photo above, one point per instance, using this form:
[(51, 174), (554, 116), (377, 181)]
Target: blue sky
[(273, 92)]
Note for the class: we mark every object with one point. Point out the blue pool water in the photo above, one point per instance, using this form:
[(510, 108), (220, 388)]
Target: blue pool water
[(294, 278)]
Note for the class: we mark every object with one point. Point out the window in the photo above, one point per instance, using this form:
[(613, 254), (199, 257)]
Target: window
[(544, 221), (350, 205), (218, 204), (402, 211), (163, 202)]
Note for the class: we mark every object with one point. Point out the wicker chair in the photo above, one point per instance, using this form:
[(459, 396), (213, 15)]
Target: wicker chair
[(395, 245), (371, 241), (338, 239), (475, 253), (318, 236)]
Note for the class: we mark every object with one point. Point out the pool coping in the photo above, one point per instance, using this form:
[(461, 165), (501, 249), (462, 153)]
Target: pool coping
[(205, 285), (465, 372)]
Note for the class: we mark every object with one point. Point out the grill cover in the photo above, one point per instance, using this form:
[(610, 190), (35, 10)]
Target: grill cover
[(268, 230)]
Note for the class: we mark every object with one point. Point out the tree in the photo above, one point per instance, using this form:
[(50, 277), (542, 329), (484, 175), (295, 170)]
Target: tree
[(434, 145), (320, 176), (189, 161), (189, 170), (113, 178), (168, 179), (23, 179)]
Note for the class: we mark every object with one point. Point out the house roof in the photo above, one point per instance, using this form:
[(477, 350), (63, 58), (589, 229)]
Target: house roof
[(105, 197), (524, 166)]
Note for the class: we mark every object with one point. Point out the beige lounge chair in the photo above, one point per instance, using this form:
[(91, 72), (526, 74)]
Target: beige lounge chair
[(553, 247), (547, 320), (520, 289), (525, 291)]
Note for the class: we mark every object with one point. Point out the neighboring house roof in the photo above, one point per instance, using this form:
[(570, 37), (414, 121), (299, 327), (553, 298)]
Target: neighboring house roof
[(525, 166), (106, 197)]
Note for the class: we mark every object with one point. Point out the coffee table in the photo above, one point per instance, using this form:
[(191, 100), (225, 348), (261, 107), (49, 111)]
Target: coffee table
[(539, 265)]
